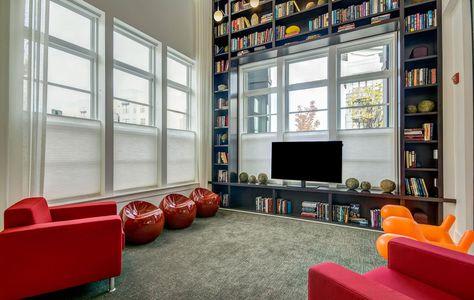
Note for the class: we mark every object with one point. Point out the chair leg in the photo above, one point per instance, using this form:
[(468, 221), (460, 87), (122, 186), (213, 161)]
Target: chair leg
[(112, 285)]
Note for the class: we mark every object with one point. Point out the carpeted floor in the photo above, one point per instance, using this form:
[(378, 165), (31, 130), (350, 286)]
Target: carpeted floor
[(234, 255)]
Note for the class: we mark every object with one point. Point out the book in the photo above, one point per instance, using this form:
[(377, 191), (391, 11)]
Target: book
[(222, 176)]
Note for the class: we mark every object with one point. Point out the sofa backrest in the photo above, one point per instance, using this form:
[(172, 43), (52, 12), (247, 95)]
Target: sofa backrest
[(26, 212)]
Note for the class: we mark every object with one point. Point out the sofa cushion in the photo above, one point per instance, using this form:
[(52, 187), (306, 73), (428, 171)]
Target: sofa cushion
[(406, 285), (26, 212)]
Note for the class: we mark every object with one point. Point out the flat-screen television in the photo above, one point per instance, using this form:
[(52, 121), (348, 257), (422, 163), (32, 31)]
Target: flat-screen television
[(307, 161)]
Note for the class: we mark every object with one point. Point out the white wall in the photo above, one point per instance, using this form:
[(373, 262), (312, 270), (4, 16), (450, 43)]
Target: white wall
[(458, 112), (172, 22)]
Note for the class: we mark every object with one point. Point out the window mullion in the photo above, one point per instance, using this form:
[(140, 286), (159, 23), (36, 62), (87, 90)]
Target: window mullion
[(333, 95)]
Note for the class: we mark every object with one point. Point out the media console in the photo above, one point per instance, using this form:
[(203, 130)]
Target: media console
[(242, 197)]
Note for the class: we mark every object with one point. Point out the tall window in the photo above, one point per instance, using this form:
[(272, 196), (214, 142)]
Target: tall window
[(344, 92), (72, 151), (181, 155)]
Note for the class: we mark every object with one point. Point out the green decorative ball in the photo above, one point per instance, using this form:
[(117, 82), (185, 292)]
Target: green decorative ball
[(426, 106), (352, 183), (262, 178), (243, 177), (412, 109), (365, 186), (252, 179), (387, 186)]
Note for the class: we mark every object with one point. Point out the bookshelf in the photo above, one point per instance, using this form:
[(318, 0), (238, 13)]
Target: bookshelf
[(429, 163)]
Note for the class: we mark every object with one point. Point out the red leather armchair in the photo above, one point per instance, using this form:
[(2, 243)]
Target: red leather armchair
[(415, 270), (46, 249)]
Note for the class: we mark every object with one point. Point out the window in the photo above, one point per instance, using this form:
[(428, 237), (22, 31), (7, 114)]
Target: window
[(72, 163), (178, 92), (134, 78), (344, 92)]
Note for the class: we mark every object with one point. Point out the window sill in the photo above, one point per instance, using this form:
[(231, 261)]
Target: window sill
[(127, 196)]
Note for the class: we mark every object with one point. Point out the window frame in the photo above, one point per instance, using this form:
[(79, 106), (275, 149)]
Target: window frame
[(150, 75), (177, 57), (92, 55)]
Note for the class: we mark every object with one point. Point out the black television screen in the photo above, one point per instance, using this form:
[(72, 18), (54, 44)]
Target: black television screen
[(307, 161)]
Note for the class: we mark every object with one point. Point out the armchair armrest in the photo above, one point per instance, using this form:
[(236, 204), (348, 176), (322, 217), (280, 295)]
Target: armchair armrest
[(46, 257), (448, 270), (83, 210), (334, 282)]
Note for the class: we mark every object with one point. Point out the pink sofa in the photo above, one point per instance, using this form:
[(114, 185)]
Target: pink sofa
[(415, 270)]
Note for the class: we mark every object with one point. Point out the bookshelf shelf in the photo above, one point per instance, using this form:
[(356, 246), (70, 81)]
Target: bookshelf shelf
[(242, 196)]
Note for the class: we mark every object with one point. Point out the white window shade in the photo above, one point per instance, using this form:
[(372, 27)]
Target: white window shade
[(368, 156), (72, 157), (256, 153), (135, 156), (181, 156)]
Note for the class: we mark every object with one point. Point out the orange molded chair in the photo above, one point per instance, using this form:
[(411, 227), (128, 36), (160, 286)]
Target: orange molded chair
[(432, 233), (405, 227)]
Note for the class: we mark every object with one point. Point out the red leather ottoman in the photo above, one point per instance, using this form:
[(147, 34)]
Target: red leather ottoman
[(179, 210), (207, 202), (142, 222)]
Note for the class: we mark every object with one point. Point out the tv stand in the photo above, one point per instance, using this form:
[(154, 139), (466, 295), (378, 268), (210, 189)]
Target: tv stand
[(303, 185)]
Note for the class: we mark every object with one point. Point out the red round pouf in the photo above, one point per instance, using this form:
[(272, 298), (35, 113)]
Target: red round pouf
[(179, 210), (206, 201), (142, 222)]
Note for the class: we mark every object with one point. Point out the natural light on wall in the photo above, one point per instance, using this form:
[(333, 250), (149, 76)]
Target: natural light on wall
[(358, 109)]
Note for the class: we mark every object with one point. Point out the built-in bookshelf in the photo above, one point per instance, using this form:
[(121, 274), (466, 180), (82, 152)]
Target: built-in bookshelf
[(247, 32)]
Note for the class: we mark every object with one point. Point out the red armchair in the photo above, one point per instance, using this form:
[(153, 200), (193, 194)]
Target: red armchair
[(46, 249), (415, 271)]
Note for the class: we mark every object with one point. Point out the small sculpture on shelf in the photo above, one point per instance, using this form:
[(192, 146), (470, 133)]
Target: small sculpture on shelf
[(310, 5), (252, 179), (254, 20), (412, 109), (387, 186), (243, 177), (365, 186), (222, 87), (352, 183), (262, 178), (426, 106)]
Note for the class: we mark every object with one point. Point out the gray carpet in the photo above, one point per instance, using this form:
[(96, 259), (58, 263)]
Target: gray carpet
[(234, 256)]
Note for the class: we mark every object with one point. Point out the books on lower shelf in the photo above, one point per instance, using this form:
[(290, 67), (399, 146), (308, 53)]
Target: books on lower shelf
[(319, 22), (222, 176), (419, 77), (222, 139), (410, 159), (283, 207), (222, 103), (340, 213), (416, 187), (421, 21), (222, 158), (222, 121), (221, 49), (345, 27), (286, 9), (225, 200), (364, 9), (251, 40), (375, 218), (222, 66), (315, 210), (263, 204), (221, 29), (419, 134)]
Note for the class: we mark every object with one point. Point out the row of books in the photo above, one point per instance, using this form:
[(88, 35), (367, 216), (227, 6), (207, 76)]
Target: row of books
[(221, 29), (251, 40), (225, 200), (375, 218), (222, 176), (340, 213), (240, 23), (364, 9), (283, 207), (345, 27), (315, 210), (319, 22), (263, 204), (222, 121), (286, 9), (225, 8), (221, 49), (421, 76), (421, 21), (240, 5), (222, 158), (416, 187), (222, 66), (425, 133), (410, 159), (222, 139), (222, 103)]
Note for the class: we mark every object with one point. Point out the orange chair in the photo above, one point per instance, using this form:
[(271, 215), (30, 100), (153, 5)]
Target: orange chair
[(405, 227), (432, 233)]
